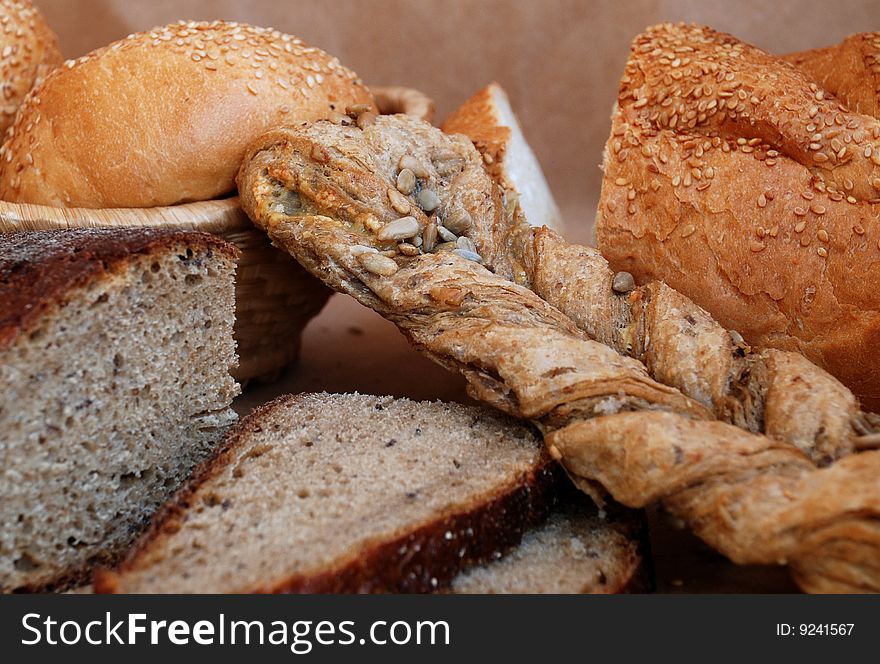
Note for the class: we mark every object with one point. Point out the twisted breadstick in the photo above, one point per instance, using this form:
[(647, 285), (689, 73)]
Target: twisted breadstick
[(321, 193), (778, 393), (754, 499), (346, 173)]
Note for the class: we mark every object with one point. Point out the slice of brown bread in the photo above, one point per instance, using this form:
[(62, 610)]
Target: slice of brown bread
[(115, 350), (576, 550), (347, 493)]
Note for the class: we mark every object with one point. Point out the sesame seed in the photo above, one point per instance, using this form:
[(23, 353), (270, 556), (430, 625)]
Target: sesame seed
[(799, 211), (755, 246), (762, 201), (822, 251), (858, 229), (800, 226), (822, 235)]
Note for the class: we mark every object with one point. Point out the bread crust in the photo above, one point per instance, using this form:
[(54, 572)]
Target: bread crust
[(170, 114), (418, 559), (28, 51), (626, 562), (477, 118), (736, 213), (39, 268), (848, 70), (487, 120)]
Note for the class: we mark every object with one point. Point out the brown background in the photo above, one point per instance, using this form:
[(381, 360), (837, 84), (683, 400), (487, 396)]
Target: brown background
[(560, 61)]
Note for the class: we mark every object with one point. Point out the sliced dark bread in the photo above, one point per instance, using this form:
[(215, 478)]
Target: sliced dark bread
[(115, 352), (576, 550), (347, 493)]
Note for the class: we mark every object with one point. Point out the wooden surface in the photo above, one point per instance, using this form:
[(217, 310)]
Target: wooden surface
[(349, 348)]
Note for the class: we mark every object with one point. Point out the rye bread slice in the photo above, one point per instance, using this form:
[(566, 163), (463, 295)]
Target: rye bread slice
[(347, 493), (577, 550), (115, 352)]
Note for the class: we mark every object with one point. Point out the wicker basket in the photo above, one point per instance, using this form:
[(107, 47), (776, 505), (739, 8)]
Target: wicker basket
[(275, 297)]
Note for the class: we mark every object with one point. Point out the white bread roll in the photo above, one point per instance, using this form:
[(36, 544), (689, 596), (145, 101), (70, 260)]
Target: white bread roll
[(28, 50), (163, 117)]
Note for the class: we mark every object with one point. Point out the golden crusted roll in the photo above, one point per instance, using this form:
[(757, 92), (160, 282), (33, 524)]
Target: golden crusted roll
[(163, 117), (28, 50), (741, 183)]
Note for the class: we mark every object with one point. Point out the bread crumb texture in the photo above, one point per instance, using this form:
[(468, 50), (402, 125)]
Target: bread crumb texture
[(112, 391), (315, 479)]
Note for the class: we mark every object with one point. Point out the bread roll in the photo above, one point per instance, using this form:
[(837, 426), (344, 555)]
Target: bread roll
[(28, 50), (163, 117), (489, 121), (741, 183)]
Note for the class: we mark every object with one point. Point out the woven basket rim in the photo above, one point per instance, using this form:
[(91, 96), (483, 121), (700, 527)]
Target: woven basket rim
[(400, 99), (215, 216)]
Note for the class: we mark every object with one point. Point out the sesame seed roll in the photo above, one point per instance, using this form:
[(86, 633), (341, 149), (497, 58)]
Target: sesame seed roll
[(164, 117)]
